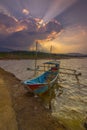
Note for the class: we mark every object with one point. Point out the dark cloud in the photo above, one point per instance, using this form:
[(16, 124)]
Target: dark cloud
[(21, 34), (53, 26), (22, 40), (7, 20)]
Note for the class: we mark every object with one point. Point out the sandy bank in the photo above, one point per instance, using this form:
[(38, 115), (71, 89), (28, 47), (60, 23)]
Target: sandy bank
[(7, 113), (20, 110)]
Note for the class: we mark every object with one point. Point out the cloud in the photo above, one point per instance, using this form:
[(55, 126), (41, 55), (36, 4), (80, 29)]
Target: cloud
[(72, 39), (45, 9), (4, 10), (25, 21), (9, 25), (25, 11), (37, 8), (21, 34)]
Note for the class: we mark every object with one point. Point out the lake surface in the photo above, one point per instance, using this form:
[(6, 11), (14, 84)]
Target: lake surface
[(71, 106)]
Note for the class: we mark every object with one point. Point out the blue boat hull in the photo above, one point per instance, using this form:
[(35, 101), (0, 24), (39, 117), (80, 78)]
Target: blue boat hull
[(42, 83)]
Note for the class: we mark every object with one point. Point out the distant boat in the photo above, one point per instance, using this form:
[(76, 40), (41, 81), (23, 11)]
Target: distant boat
[(46, 80)]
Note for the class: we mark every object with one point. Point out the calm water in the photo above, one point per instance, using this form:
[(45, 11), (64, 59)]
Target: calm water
[(71, 106)]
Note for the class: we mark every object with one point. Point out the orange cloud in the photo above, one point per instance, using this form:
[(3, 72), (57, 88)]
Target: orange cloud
[(25, 11), (6, 30), (72, 40), (69, 40), (16, 29)]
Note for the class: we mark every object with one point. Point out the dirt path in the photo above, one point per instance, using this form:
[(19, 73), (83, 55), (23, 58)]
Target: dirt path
[(20, 110)]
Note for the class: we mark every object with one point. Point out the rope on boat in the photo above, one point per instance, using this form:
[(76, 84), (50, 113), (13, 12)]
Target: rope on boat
[(68, 69), (59, 89), (73, 74)]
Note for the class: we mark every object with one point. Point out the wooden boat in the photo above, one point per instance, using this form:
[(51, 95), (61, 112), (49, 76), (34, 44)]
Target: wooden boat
[(47, 79)]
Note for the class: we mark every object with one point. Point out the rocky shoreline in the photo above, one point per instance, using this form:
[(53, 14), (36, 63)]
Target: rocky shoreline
[(20, 110)]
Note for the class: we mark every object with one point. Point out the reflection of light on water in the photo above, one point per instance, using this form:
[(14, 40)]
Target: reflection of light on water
[(70, 122), (71, 106)]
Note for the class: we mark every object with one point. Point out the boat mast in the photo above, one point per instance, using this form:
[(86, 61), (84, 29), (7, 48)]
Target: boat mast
[(51, 52), (36, 58)]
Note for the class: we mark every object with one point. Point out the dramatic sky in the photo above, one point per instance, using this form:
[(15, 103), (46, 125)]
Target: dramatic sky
[(61, 24)]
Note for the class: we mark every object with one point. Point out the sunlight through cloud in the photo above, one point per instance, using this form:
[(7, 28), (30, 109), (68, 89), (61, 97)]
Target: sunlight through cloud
[(25, 11), (56, 7)]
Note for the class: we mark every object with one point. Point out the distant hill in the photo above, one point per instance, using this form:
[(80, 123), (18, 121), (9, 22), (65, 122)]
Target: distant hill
[(76, 54), (12, 54), (2, 49)]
